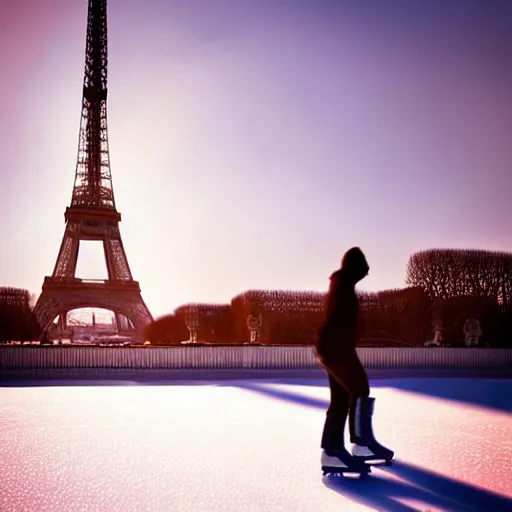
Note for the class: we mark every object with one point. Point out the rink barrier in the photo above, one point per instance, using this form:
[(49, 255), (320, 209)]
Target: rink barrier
[(246, 357)]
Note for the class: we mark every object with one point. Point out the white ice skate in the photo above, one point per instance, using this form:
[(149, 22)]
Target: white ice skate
[(365, 447), (341, 463)]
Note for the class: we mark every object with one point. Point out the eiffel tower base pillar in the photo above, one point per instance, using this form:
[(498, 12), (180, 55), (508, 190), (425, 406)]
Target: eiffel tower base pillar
[(62, 295)]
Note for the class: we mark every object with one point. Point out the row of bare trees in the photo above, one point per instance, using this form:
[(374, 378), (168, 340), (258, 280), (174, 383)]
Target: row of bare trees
[(467, 284), (388, 318), (448, 273), (17, 319), (445, 287)]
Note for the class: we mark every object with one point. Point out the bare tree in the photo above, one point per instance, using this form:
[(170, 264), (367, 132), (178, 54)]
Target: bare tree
[(17, 319), (448, 273)]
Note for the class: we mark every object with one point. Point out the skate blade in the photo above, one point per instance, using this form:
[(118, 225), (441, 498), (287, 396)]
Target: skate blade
[(379, 462), (333, 472)]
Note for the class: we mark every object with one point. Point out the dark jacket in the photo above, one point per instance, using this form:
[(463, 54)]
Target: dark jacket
[(338, 333)]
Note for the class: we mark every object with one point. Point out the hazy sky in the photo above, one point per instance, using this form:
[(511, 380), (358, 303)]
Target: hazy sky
[(253, 141)]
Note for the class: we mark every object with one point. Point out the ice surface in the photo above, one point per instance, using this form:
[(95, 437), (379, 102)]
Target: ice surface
[(249, 445)]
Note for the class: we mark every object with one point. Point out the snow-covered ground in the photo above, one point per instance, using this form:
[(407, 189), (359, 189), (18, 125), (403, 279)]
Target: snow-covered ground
[(249, 445)]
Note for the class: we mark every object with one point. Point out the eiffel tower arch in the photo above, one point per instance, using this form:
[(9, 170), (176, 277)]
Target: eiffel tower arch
[(92, 214)]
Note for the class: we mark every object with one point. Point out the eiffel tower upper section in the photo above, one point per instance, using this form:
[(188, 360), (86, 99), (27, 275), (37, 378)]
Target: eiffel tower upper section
[(93, 182)]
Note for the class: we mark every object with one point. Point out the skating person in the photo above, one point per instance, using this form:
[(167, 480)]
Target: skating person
[(348, 381)]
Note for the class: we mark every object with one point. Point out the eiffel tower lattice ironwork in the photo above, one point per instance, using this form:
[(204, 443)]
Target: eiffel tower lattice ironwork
[(92, 214)]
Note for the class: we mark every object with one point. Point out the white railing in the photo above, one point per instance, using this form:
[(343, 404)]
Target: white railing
[(258, 357)]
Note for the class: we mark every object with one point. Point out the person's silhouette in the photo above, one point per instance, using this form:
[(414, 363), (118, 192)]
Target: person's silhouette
[(348, 380)]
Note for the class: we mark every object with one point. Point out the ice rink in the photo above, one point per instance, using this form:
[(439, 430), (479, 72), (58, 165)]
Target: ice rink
[(248, 445)]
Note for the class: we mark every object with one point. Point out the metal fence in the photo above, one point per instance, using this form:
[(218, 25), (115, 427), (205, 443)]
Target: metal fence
[(247, 357)]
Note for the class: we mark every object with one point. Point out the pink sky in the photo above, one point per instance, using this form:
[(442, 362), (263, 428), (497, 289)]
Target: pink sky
[(253, 141)]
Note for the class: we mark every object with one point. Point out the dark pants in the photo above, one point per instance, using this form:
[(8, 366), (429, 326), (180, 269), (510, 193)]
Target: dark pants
[(348, 381)]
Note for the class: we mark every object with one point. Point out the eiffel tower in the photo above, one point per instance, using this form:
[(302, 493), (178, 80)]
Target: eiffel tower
[(92, 214)]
